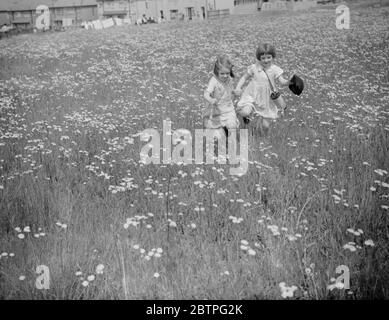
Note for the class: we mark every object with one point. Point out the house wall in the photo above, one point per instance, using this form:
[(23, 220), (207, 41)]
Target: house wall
[(87, 13), (153, 8), (5, 18), (224, 4)]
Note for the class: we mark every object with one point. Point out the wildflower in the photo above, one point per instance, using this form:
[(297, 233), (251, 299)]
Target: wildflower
[(78, 273), (91, 278), (244, 248), (251, 252), (159, 250), (193, 225), (380, 172), (21, 236), (85, 283), (17, 229), (287, 292), (156, 275), (136, 246), (350, 247), (4, 254), (21, 278), (244, 242), (142, 251), (238, 220), (11, 254), (172, 224), (369, 243), (151, 253), (27, 229), (148, 226), (99, 269)]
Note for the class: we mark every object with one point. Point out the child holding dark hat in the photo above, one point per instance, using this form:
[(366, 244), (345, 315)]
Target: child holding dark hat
[(258, 96)]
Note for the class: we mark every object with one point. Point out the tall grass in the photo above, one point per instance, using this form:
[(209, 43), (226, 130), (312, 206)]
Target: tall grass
[(311, 178)]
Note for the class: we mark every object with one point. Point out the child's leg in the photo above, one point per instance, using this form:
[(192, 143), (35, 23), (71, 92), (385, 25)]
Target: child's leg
[(232, 126), (263, 126), (219, 144)]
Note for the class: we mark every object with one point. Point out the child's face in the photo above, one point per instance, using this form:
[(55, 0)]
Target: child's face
[(224, 74), (266, 60)]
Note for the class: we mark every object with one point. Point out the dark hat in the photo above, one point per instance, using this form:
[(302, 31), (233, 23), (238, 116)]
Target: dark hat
[(296, 85)]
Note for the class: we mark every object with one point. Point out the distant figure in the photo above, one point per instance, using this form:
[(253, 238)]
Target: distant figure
[(4, 30)]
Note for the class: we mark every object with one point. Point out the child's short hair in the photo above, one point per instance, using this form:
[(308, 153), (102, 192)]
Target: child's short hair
[(223, 61), (265, 48)]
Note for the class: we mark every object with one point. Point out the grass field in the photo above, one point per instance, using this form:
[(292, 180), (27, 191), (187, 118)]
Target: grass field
[(75, 197)]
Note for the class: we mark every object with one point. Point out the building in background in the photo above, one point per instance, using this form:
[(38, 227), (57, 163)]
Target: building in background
[(22, 14), (167, 10)]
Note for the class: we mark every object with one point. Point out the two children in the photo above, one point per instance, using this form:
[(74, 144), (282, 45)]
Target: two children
[(255, 99)]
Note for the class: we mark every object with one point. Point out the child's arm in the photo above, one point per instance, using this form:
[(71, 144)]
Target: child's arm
[(283, 81), (208, 93), (207, 96), (238, 89)]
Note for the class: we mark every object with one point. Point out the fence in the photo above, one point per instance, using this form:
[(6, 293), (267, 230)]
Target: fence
[(218, 13)]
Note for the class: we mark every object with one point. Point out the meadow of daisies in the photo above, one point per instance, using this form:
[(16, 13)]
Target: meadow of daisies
[(76, 198)]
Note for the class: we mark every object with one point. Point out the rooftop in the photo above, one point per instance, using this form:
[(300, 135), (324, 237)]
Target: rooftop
[(20, 5)]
